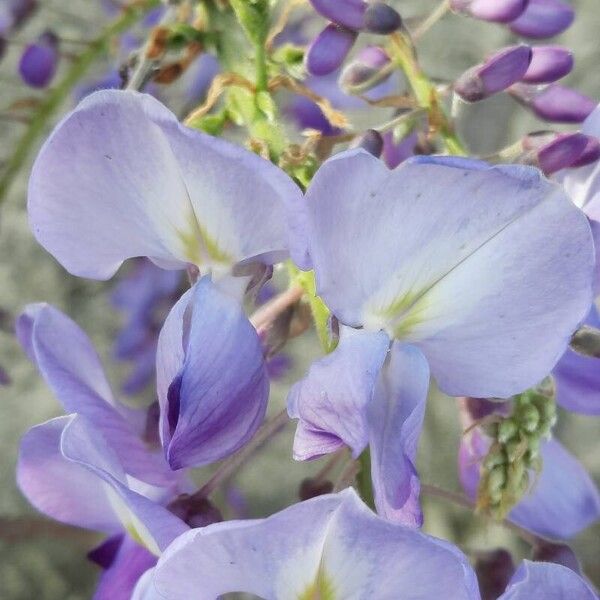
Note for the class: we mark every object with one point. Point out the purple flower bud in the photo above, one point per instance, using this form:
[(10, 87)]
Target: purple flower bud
[(590, 155), (553, 152), (555, 102), (543, 19), (195, 511), (347, 13), (497, 11), (371, 141), (39, 61), (548, 64), (560, 554), (497, 73), (494, 570), (21, 11), (329, 49), (395, 153), (381, 18), (364, 72)]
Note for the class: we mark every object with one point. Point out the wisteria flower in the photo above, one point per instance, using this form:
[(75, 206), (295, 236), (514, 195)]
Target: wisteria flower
[(472, 267), (330, 547), (121, 177)]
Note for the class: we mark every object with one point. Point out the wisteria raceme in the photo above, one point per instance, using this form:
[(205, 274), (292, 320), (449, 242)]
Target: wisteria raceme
[(301, 256)]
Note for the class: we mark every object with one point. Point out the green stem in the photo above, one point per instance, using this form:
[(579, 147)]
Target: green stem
[(262, 75), (425, 92), (55, 98), (363, 479)]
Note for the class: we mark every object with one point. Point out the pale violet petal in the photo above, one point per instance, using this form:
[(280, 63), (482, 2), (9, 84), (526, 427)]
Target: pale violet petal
[(331, 401), (395, 421), (547, 581)]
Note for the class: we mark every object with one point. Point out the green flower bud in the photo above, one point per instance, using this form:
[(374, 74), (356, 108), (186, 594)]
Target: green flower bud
[(529, 417), (496, 456), (507, 430)]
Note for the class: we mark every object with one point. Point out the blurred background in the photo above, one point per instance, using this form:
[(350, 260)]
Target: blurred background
[(43, 560)]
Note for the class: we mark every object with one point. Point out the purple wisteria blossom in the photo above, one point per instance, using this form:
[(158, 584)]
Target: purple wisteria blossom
[(213, 396), (330, 547), (122, 162), (469, 305)]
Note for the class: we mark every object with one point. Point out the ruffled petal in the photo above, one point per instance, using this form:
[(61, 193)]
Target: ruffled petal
[(70, 365), (331, 401), (332, 546), (58, 487), (506, 228), (121, 177), (212, 382), (144, 518)]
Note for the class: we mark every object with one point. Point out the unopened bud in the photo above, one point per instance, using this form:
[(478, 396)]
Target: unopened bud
[(496, 11), (528, 417), (381, 18), (497, 73), (552, 151), (371, 141), (560, 554), (590, 155), (507, 430), (39, 61), (195, 511), (329, 50), (347, 13), (543, 19), (310, 488), (494, 570), (586, 341), (365, 71), (555, 102), (548, 64)]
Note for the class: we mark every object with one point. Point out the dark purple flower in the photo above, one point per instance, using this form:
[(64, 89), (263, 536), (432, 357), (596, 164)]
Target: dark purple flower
[(497, 73), (39, 61), (381, 18), (548, 64), (555, 102), (329, 49), (371, 141), (498, 11), (347, 13), (553, 152), (543, 19)]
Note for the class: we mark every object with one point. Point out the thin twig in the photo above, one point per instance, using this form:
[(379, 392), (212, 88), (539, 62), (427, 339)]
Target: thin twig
[(461, 500), (270, 428), (267, 313), (431, 20)]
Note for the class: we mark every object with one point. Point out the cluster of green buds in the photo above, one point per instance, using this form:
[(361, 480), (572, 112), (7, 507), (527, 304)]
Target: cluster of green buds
[(515, 450)]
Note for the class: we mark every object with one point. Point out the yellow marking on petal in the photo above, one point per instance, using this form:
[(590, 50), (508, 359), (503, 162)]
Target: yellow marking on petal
[(200, 248), (401, 316), (132, 524), (321, 589)]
